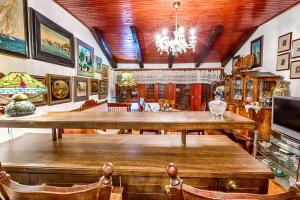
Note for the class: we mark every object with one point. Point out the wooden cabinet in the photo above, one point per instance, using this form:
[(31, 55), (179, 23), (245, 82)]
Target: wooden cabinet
[(248, 87)]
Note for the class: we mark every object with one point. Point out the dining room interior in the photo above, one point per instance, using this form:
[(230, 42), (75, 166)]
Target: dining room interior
[(149, 100)]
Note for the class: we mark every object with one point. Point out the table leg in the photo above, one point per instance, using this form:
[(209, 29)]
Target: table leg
[(54, 138), (183, 137), (59, 133)]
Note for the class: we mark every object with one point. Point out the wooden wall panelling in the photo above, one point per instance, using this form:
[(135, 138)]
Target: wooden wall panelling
[(196, 97)]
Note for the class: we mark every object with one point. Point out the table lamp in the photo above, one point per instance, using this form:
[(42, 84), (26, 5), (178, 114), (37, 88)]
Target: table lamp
[(19, 84)]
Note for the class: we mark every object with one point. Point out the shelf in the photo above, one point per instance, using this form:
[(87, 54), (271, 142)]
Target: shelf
[(278, 164)]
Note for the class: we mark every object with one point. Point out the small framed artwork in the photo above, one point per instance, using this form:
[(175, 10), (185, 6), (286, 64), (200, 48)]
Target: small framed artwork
[(257, 51), (285, 42), (296, 49), (235, 59), (98, 62), (104, 72), (14, 28), (80, 88), (103, 89), (42, 99), (51, 42), (295, 70), (283, 62), (59, 89), (94, 86), (85, 59)]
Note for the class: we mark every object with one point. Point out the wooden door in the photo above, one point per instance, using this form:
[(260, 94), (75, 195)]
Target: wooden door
[(183, 96), (196, 99)]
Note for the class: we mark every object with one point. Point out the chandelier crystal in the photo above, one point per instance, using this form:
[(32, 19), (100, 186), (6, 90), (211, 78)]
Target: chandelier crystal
[(177, 44)]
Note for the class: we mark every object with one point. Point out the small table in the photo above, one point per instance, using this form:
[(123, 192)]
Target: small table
[(129, 120)]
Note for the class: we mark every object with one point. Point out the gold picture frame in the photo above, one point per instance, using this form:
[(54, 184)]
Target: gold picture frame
[(59, 89)]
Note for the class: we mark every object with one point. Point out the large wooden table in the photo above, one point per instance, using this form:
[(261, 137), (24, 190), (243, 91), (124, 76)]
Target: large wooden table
[(129, 120), (208, 162)]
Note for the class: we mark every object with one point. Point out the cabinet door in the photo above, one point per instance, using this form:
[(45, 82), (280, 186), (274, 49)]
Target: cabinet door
[(196, 97), (183, 96)]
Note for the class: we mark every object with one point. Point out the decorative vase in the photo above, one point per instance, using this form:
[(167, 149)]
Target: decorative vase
[(217, 107), (19, 106), (280, 88)]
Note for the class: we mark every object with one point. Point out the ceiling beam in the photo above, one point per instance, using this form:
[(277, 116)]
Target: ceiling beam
[(209, 43), (137, 46), (244, 39), (104, 46), (171, 60)]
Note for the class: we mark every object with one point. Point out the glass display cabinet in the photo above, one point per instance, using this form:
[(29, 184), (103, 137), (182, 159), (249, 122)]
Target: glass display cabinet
[(259, 87), (237, 87), (281, 154)]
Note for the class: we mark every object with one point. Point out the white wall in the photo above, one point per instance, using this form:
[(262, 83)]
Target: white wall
[(57, 14), (282, 24)]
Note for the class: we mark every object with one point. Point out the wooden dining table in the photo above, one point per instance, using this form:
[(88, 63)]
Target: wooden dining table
[(129, 120)]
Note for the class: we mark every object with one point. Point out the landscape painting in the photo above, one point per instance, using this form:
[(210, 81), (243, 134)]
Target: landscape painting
[(55, 43), (257, 51), (85, 59), (13, 27), (98, 64), (80, 88), (51, 42)]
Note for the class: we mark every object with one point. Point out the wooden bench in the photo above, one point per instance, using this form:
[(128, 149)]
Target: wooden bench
[(181, 191), (11, 190)]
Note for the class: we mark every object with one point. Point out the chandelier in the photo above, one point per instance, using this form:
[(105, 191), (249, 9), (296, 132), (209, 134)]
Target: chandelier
[(177, 44)]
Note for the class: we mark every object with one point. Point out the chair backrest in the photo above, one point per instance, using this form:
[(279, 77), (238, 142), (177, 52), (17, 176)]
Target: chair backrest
[(118, 107), (101, 190), (180, 191)]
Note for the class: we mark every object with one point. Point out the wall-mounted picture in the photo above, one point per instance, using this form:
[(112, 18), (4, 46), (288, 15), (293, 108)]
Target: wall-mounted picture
[(104, 72), (98, 63), (81, 88), (285, 42), (42, 99), (283, 62), (51, 42), (59, 89), (257, 51), (13, 27), (94, 86), (235, 59), (295, 70), (296, 49), (85, 59), (103, 89)]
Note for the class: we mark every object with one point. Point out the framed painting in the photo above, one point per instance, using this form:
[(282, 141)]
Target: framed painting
[(296, 49), (93, 86), (85, 59), (81, 88), (235, 59), (59, 89), (103, 89), (285, 42), (257, 51), (98, 63), (42, 99), (295, 70), (51, 42), (104, 72), (13, 28), (283, 62)]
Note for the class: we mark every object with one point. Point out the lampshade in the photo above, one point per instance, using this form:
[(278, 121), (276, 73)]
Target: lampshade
[(18, 82), (127, 80)]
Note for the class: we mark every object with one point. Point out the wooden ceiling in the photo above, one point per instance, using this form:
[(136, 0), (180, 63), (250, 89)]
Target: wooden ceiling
[(114, 17)]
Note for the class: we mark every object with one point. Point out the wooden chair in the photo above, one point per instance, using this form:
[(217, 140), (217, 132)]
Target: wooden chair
[(118, 107), (180, 191), (101, 190)]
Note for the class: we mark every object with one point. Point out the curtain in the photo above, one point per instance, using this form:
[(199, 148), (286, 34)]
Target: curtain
[(173, 76)]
